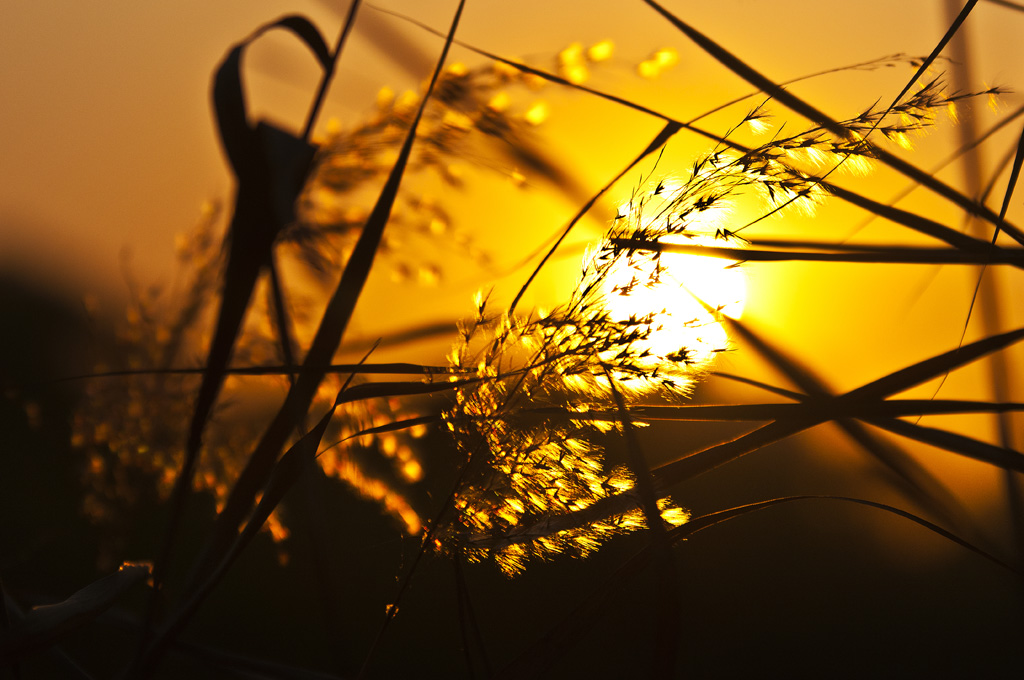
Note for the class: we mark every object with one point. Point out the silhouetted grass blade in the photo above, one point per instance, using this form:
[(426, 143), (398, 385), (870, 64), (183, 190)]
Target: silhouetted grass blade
[(1007, 459), (1018, 160), (921, 484), (703, 461), (946, 191), (888, 255), (908, 219), (704, 522), (924, 485), (398, 425), (890, 408), (773, 389), (330, 61), (389, 193), (392, 368), (932, 368), (397, 389)]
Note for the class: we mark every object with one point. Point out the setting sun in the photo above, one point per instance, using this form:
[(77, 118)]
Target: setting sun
[(676, 297), (678, 289)]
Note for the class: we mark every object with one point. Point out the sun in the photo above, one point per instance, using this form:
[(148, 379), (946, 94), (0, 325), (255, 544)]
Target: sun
[(679, 289)]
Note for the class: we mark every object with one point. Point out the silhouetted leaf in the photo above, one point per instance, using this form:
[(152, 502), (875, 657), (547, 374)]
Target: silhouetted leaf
[(774, 389), (931, 368), (889, 255), (397, 425), (705, 460), (398, 389), (1018, 160), (697, 524), (890, 408), (1007, 459)]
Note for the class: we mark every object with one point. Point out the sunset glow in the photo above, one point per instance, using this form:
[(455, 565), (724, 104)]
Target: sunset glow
[(679, 289), (681, 320)]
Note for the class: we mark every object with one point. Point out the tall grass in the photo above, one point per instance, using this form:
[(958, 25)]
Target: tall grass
[(541, 459)]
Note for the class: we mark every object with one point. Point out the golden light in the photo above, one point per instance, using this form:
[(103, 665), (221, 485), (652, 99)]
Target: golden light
[(678, 289)]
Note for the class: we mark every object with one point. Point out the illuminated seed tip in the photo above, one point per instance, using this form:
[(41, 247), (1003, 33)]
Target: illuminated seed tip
[(601, 51), (576, 74), (385, 98), (455, 172), (573, 54), (406, 102), (537, 114), (333, 127), (457, 120), (666, 57), (648, 69), (437, 226), (900, 139), (758, 125), (499, 102)]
